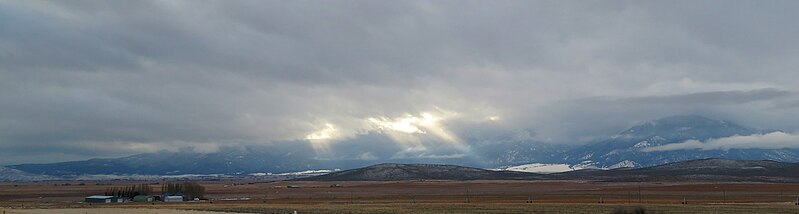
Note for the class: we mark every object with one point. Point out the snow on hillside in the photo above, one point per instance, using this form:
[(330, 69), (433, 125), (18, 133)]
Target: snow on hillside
[(9, 174), (625, 164), (585, 165), (538, 168), (301, 173), (544, 168), (311, 172)]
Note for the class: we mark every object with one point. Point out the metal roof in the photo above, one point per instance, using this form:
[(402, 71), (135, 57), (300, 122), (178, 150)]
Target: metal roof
[(99, 197)]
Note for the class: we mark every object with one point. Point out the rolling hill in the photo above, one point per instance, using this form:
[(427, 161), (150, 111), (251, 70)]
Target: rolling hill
[(713, 169), (393, 171), (226, 161)]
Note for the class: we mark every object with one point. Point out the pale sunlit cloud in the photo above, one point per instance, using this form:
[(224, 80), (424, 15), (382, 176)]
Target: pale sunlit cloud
[(424, 123), (326, 133), (321, 139), (407, 124)]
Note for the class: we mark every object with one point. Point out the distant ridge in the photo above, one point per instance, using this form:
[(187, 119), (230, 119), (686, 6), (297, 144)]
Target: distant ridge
[(8, 174), (394, 172), (712, 169)]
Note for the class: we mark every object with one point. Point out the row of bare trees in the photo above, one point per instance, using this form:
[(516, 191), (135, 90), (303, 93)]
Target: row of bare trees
[(129, 191), (188, 190)]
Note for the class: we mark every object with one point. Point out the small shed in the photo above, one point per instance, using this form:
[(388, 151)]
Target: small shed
[(173, 198), (143, 198), (101, 199)]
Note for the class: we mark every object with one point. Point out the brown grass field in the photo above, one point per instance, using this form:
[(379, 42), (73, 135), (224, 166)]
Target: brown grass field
[(426, 197)]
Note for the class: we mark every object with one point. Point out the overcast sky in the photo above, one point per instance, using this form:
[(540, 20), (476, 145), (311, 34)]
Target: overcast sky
[(85, 79)]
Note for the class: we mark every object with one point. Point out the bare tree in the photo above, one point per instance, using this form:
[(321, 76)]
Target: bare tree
[(189, 189), (129, 191)]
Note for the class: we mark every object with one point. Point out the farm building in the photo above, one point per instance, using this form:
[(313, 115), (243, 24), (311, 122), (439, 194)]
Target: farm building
[(104, 199), (143, 198), (173, 198)]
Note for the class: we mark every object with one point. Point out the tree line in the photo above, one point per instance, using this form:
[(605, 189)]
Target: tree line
[(189, 190), (129, 191)]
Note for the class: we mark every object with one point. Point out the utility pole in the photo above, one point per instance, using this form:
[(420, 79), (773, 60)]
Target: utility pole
[(629, 197), (467, 196), (639, 193), (724, 195)]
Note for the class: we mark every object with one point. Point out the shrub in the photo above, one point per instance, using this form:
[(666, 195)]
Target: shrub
[(629, 210)]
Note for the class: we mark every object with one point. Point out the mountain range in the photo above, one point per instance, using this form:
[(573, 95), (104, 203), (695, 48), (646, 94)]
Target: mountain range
[(226, 161), (630, 145), (625, 149)]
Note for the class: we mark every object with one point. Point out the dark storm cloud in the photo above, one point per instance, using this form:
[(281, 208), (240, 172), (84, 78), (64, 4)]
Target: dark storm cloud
[(85, 79), (595, 118), (712, 98)]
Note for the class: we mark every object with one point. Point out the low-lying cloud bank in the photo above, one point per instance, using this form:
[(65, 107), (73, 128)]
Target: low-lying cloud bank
[(773, 140)]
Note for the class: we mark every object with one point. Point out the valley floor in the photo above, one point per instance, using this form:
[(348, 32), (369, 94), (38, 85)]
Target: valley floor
[(421, 208), (106, 210), (421, 197)]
